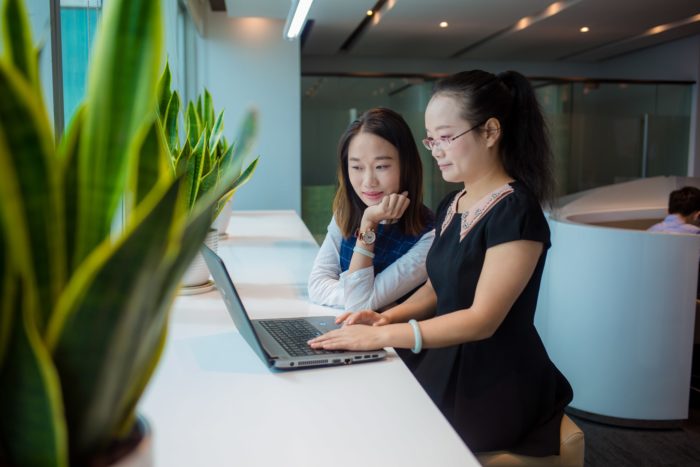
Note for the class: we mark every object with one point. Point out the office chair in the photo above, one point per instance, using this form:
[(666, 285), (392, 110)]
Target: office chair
[(571, 451)]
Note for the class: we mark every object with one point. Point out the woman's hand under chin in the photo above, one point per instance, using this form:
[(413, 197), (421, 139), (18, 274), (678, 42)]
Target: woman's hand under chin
[(391, 207)]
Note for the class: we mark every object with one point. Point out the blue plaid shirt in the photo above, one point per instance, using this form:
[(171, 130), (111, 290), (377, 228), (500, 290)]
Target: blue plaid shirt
[(391, 244)]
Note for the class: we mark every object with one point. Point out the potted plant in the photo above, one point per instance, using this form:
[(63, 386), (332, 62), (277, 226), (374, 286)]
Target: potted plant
[(84, 305), (202, 159)]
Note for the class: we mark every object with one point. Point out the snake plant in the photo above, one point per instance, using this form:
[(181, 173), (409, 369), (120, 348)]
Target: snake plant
[(206, 154), (84, 305)]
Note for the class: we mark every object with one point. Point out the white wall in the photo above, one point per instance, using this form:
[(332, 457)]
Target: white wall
[(244, 62)]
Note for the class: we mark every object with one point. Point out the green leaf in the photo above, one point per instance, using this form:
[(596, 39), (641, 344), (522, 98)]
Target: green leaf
[(17, 40), (193, 124), (229, 188), (68, 157), (208, 181), (197, 224), (200, 109), (243, 178), (121, 96), (226, 160), (244, 141), (247, 133), (152, 164), (33, 429), (145, 363), (182, 159), (103, 316), (170, 124), (164, 92), (216, 133), (206, 166), (29, 175), (193, 172), (208, 111), (8, 298)]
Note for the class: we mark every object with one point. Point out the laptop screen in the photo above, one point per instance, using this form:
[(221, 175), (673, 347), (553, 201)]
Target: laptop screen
[(233, 302)]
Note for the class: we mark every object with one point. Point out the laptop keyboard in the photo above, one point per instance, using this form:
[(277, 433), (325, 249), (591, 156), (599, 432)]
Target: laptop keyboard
[(292, 335)]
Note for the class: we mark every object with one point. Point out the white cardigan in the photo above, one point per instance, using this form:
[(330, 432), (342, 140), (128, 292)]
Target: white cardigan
[(362, 290)]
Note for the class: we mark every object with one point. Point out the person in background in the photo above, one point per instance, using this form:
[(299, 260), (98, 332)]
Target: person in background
[(683, 212), (481, 359), (380, 233)]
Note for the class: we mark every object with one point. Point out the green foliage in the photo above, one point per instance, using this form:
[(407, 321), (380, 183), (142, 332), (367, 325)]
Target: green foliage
[(83, 309), (206, 154)]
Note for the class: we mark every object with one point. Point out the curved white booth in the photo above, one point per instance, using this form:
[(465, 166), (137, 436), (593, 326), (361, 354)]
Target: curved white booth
[(617, 304)]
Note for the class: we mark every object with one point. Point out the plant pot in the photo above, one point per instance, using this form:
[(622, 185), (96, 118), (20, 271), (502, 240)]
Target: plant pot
[(134, 451), (224, 217), (196, 278)]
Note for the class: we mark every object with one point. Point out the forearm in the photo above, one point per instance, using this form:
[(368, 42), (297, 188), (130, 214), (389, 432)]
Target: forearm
[(326, 291), (495, 295), (364, 290), (442, 331), (419, 306), (360, 260), (325, 284)]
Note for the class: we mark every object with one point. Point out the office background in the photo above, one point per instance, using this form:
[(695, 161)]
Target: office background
[(306, 94)]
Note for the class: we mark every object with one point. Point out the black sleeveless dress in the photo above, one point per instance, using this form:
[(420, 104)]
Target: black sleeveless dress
[(502, 392)]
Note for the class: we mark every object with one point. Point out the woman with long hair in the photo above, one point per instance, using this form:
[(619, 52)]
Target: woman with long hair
[(380, 233), (471, 325)]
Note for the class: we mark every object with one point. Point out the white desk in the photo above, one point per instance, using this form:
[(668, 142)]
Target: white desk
[(213, 403)]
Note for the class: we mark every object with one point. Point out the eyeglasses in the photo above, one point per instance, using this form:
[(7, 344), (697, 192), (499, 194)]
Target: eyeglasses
[(444, 142)]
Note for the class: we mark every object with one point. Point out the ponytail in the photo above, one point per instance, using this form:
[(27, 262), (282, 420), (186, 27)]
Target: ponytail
[(525, 149)]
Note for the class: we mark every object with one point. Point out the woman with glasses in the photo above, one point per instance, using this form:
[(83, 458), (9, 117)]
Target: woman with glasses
[(380, 233), (480, 357)]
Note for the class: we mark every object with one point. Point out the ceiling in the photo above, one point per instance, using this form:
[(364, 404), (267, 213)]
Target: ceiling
[(486, 29)]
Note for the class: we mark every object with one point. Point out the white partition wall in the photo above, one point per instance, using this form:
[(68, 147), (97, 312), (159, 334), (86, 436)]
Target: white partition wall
[(617, 305)]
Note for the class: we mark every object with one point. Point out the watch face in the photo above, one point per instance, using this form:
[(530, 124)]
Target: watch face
[(368, 237)]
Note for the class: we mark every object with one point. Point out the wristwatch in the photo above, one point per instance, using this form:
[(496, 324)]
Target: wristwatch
[(367, 237)]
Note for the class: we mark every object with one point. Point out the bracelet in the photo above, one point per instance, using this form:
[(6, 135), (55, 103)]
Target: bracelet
[(418, 345), (362, 251)]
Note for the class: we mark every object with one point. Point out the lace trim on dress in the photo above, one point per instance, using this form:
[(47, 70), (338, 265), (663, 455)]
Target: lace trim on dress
[(471, 216)]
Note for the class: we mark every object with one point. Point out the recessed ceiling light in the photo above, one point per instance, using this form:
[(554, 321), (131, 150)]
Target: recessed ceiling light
[(584, 29), (370, 12), (443, 24)]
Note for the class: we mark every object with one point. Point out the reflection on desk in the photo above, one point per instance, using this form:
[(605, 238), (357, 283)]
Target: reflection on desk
[(212, 402)]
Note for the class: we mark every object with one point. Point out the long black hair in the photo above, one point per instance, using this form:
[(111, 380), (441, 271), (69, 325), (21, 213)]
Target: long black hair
[(524, 146), (389, 125)]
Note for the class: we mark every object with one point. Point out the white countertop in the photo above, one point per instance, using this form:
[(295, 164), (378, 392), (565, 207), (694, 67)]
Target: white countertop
[(213, 403)]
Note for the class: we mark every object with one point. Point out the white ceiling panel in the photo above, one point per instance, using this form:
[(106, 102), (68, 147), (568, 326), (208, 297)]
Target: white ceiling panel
[(559, 36), (334, 22), (482, 29), (411, 28)]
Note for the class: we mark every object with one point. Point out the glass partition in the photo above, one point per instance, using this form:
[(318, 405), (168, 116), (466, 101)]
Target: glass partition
[(601, 132), (79, 21)]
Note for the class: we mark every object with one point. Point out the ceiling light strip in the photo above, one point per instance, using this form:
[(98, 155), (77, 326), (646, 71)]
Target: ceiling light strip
[(523, 23), (648, 33), (297, 18), (367, 22)]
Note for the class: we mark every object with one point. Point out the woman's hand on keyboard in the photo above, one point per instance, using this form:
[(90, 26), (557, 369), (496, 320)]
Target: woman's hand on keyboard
[(368, 317), (359, 337)]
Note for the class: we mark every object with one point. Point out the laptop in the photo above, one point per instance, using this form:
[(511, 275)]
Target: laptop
[(281, 343)]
